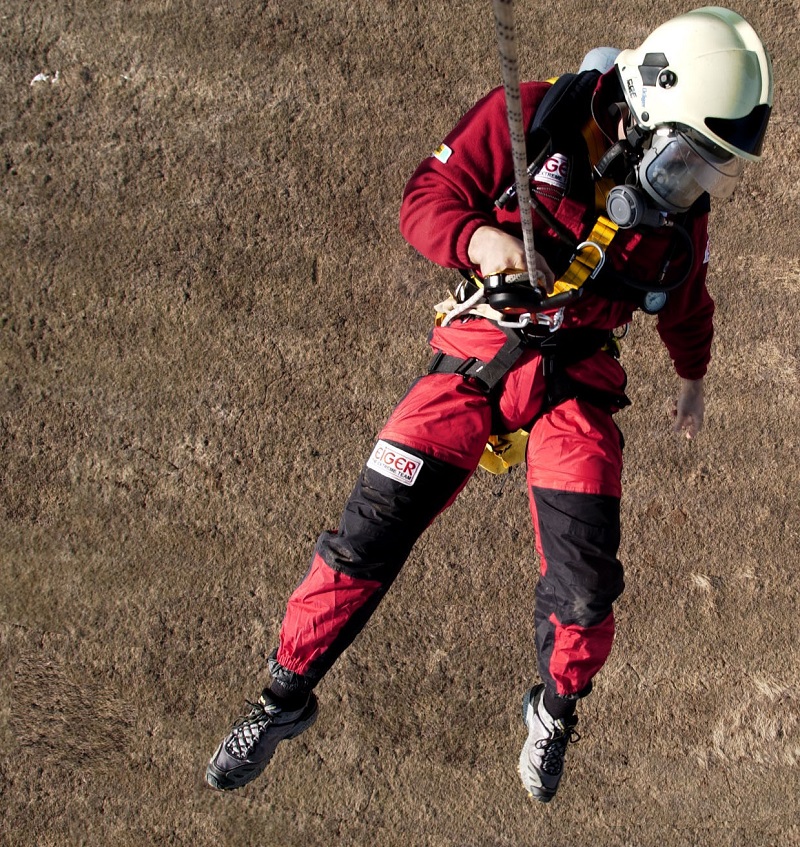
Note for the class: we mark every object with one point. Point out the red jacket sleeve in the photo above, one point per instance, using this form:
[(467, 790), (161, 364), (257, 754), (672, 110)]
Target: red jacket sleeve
[(446, 201), (686, 323)]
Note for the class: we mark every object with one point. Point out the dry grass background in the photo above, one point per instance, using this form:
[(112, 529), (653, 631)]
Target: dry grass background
[(207, 312)]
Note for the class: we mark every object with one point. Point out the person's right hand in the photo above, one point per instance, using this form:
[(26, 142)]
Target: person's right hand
[(689, 408), (495, 251)]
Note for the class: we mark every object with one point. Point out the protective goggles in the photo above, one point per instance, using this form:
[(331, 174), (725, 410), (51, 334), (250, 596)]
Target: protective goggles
[(676, 169)]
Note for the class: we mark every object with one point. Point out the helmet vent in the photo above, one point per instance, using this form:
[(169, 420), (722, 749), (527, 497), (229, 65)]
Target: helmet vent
[(651, 67)]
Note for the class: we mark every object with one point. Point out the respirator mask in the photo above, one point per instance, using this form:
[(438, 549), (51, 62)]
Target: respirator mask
[(670, 168)]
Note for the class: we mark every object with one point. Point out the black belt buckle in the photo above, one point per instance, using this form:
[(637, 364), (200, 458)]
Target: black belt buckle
[(464, 368), (435, 362)]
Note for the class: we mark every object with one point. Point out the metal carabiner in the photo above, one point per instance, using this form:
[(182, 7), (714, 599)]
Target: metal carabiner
[(524, 320), (599, 249)]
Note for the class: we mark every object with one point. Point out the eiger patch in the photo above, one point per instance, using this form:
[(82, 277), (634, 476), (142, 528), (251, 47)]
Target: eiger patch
[(555, 172), (394, 463), (442, 153)]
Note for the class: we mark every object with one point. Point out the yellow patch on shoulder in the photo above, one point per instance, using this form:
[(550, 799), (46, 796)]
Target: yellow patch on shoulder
[(442, 153)]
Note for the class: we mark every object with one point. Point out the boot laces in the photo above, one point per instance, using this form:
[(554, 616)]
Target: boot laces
[(554, 747), (247, 730)]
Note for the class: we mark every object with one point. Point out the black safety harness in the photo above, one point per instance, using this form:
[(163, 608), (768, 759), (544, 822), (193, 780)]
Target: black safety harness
[(559, 350), (562, 348)]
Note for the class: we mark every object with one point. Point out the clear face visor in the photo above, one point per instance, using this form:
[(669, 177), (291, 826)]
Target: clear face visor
[(676, 169)]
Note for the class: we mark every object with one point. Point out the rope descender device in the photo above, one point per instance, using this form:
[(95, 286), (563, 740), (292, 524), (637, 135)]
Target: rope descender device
[(517, 299)]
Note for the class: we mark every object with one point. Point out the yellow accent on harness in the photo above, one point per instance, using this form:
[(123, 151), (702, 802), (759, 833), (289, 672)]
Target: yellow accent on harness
[(502, 452), (588, 257)]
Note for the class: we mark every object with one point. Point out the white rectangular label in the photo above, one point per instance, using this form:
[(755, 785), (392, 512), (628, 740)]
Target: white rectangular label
[(394, 463), (555, 171)]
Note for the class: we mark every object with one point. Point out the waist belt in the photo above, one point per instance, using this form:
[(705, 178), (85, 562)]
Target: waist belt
[(559, 350)]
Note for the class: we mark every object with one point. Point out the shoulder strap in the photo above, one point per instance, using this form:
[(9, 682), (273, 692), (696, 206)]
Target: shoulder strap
[(563, 104), (562, 107)]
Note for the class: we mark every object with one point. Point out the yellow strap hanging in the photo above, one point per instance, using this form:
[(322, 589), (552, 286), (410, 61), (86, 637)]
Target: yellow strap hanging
[(502, 452)]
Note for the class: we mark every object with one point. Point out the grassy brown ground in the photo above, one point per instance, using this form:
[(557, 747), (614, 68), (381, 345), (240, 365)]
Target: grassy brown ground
[(206, 313)]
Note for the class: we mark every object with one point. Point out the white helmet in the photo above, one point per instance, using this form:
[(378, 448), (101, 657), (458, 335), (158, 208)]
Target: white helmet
[(708, 71)]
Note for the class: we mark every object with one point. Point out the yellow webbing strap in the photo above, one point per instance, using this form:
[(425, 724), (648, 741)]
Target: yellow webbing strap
[(588, 257), (596, 144)]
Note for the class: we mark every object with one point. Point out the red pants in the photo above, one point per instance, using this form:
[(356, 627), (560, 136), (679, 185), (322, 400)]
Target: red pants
[(424, 456)]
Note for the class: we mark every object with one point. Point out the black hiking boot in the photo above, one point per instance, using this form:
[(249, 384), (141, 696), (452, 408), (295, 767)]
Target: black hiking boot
[(249, 746)]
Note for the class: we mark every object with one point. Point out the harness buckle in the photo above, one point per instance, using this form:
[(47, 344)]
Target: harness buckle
[(465, 367)]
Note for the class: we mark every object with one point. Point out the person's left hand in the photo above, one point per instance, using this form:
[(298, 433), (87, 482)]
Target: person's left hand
[(689, 409)]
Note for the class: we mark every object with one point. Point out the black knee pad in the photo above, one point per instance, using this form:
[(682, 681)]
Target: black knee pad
[(384, 516), (579, 536)]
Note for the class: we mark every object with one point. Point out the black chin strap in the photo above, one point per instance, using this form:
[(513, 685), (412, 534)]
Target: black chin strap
[(609, 157)]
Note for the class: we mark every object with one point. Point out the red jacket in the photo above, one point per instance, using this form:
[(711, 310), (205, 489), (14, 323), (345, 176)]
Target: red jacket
[(450, 195)]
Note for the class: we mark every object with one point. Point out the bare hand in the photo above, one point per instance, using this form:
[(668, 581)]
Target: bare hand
[(495, 251), (689, 409)]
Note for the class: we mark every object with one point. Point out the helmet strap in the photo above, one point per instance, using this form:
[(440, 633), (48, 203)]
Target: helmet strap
[(609, 157), (636, 136)]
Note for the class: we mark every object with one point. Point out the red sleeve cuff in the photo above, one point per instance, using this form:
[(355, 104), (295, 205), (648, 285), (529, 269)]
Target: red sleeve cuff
[(464, 238)]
